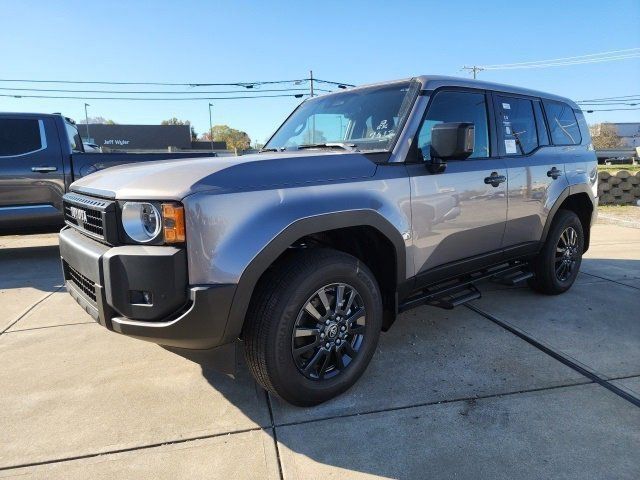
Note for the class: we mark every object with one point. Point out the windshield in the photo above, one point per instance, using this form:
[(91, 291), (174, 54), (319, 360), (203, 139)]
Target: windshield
[(366, 119)]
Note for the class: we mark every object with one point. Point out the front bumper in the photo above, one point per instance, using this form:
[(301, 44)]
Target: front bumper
[(104, 280)]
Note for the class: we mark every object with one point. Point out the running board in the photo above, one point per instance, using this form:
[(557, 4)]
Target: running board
[(457, 291), (513, 278)]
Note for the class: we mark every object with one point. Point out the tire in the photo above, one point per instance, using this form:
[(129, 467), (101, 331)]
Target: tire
[(281, 303), (555, 274)]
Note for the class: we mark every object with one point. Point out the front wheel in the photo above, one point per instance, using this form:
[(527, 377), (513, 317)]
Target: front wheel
[(556, 266), (313, 326)]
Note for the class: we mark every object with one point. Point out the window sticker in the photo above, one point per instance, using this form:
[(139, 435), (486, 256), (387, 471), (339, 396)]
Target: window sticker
[(510, 146), (506, 106), (507, 130)]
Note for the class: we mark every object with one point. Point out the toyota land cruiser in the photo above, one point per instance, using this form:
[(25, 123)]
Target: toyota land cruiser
[(364, 203)]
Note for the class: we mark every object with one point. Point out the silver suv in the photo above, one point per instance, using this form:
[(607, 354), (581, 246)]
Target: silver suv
[(364, 203)]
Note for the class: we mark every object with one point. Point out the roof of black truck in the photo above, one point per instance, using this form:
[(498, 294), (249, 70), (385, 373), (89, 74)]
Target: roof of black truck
[(34, 115)]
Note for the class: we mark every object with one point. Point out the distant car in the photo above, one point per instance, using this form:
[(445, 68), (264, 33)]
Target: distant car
[(90, 147)]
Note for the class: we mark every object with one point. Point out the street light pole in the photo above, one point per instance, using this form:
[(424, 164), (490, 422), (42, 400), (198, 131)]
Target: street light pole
[(210, 127), (86, 119)]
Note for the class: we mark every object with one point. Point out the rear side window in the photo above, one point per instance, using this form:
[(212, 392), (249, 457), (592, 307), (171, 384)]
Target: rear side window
[(457, 107), (562, 123), (20, 135), (74, 139), (518, 125)]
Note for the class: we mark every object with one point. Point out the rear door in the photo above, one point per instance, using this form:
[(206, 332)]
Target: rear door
[(459, 213), (535, 170), (31, 171)]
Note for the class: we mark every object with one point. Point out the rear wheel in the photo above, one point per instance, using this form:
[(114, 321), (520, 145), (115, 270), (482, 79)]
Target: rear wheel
[(313, 326), (557, 265)]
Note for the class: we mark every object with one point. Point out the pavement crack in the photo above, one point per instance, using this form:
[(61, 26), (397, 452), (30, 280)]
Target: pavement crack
[(23, 314), (275, 434), (128, 449), (561, 357), (611, 280), (435, 402)]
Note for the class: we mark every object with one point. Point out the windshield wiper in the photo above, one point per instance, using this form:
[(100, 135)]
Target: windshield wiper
[(340, 145)]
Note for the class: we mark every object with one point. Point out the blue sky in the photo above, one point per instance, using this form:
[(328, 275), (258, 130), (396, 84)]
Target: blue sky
[(347, 41)]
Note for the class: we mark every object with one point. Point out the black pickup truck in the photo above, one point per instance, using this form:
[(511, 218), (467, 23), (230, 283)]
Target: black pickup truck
[(40, 156)]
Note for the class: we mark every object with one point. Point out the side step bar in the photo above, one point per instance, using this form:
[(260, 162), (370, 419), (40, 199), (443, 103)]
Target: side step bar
[(455, 292)]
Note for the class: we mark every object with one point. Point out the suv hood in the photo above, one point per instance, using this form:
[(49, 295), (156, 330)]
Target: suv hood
[(175, 179)]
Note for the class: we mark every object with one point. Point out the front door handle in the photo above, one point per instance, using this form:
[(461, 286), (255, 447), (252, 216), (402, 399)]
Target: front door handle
[(494, 179), (44, 169), (554, 173)]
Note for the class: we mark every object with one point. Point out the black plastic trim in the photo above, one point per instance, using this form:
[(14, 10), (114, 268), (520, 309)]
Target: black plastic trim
[(293, 232)]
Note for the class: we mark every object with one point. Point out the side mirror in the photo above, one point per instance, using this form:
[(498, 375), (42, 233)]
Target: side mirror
[(450, 141)]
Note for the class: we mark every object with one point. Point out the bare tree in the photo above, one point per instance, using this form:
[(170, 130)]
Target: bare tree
[(605, 136)]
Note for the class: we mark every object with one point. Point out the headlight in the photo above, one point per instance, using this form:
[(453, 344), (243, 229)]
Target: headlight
[(141, 221)]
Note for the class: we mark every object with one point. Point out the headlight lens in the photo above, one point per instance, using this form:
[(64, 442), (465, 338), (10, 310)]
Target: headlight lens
[(141, 221)]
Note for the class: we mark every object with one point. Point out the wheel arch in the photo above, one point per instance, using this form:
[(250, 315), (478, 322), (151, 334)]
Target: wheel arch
[(304, 228), (578, 199)]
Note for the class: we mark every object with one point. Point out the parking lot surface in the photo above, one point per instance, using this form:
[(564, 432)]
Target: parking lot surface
[(515, 385)]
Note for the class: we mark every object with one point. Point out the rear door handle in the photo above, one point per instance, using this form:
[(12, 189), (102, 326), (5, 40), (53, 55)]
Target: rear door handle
[(44, 169), (494, 179), (554, 173)]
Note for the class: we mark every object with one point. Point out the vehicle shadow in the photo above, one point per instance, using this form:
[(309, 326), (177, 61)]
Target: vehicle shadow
[(448, 351), (30, 266)]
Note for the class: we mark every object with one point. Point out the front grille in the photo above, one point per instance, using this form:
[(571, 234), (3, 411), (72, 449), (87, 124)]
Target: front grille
[(85, 285), (93, 223), (93, 216)]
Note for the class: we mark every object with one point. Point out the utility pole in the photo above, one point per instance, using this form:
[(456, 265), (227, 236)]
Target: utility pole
[(313, 119), (475, 69), (210, 127), (86, 119)]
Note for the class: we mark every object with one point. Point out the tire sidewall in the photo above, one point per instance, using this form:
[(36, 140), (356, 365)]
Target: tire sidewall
[(282, 367), (569, 219)]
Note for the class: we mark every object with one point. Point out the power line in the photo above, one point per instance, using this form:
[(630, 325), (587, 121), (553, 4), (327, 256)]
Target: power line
[(627, 51), (247, 85), (297, 95), (563, 64), (158, 92), (92, 82), (610, 98), (610, 110), (604, 104)]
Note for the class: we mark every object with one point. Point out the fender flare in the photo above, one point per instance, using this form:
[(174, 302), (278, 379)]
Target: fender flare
[(566, 193), (294, 231)]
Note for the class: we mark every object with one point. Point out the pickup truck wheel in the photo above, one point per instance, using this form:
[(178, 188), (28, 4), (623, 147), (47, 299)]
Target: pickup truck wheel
[(313, 326), (556, 266)]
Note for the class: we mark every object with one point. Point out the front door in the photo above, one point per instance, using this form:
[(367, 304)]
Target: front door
[(31, 171), (461, 212)]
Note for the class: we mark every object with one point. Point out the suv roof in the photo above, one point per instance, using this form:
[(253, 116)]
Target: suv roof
[(431, 82)]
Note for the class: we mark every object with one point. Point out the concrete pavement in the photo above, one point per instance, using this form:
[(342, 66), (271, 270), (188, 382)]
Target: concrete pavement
[(449, 393)]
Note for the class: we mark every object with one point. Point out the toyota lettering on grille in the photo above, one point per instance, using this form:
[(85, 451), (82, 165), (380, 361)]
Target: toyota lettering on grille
[(79, 214)]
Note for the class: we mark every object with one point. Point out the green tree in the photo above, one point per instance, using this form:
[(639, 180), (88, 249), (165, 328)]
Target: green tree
[(235, 139), (605, 136)]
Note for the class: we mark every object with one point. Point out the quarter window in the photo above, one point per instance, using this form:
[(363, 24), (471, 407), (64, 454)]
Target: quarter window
[(456, 107), (562, 123), (19, 136), (74, 138), (518, 125)]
